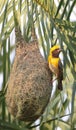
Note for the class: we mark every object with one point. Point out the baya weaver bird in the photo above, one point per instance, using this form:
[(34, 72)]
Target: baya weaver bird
[(55, 64)]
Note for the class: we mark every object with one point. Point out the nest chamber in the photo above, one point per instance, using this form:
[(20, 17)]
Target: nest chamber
[(29, 86)]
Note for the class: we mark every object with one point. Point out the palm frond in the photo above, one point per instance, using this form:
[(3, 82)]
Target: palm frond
[(52, 26)]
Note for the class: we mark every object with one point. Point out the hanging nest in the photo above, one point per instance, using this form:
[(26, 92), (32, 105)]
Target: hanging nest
[(29, 90)]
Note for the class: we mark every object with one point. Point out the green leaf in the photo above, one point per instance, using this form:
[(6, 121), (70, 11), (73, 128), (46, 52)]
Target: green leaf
[(9, 126), (64, 10), (59, 7), (4, 17), (71, 8)]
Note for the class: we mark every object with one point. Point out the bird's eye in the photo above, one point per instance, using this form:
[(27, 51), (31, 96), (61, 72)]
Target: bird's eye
[(56, 49)]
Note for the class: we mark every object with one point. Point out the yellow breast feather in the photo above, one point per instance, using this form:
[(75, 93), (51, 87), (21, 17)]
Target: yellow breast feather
[(53, 61)]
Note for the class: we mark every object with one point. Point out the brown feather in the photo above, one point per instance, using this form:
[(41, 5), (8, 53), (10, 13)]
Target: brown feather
[(60, 75)]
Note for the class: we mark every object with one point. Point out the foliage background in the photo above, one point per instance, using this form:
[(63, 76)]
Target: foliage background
[(52, 24)]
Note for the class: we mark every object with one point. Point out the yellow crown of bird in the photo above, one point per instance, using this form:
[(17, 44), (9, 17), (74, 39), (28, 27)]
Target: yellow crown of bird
[(54, 48)]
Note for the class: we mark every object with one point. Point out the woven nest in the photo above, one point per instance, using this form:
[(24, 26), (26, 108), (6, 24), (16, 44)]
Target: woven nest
[(29, 90)]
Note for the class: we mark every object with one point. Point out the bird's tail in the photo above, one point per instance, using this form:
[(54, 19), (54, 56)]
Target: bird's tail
[(60, 87)]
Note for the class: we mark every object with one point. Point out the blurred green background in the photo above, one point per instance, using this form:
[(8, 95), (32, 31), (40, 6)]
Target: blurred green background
[(54, 22)]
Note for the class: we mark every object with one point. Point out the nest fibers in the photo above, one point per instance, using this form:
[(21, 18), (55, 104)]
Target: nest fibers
[(28, 91)]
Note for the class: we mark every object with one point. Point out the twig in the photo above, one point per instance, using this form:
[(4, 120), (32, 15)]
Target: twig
[(53, 119)]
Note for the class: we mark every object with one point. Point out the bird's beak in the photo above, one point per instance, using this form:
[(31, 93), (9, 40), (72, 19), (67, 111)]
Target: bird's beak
[(60, 50)]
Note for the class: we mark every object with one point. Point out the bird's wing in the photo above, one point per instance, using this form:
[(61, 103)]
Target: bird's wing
[(60, 69), (60, 75)]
